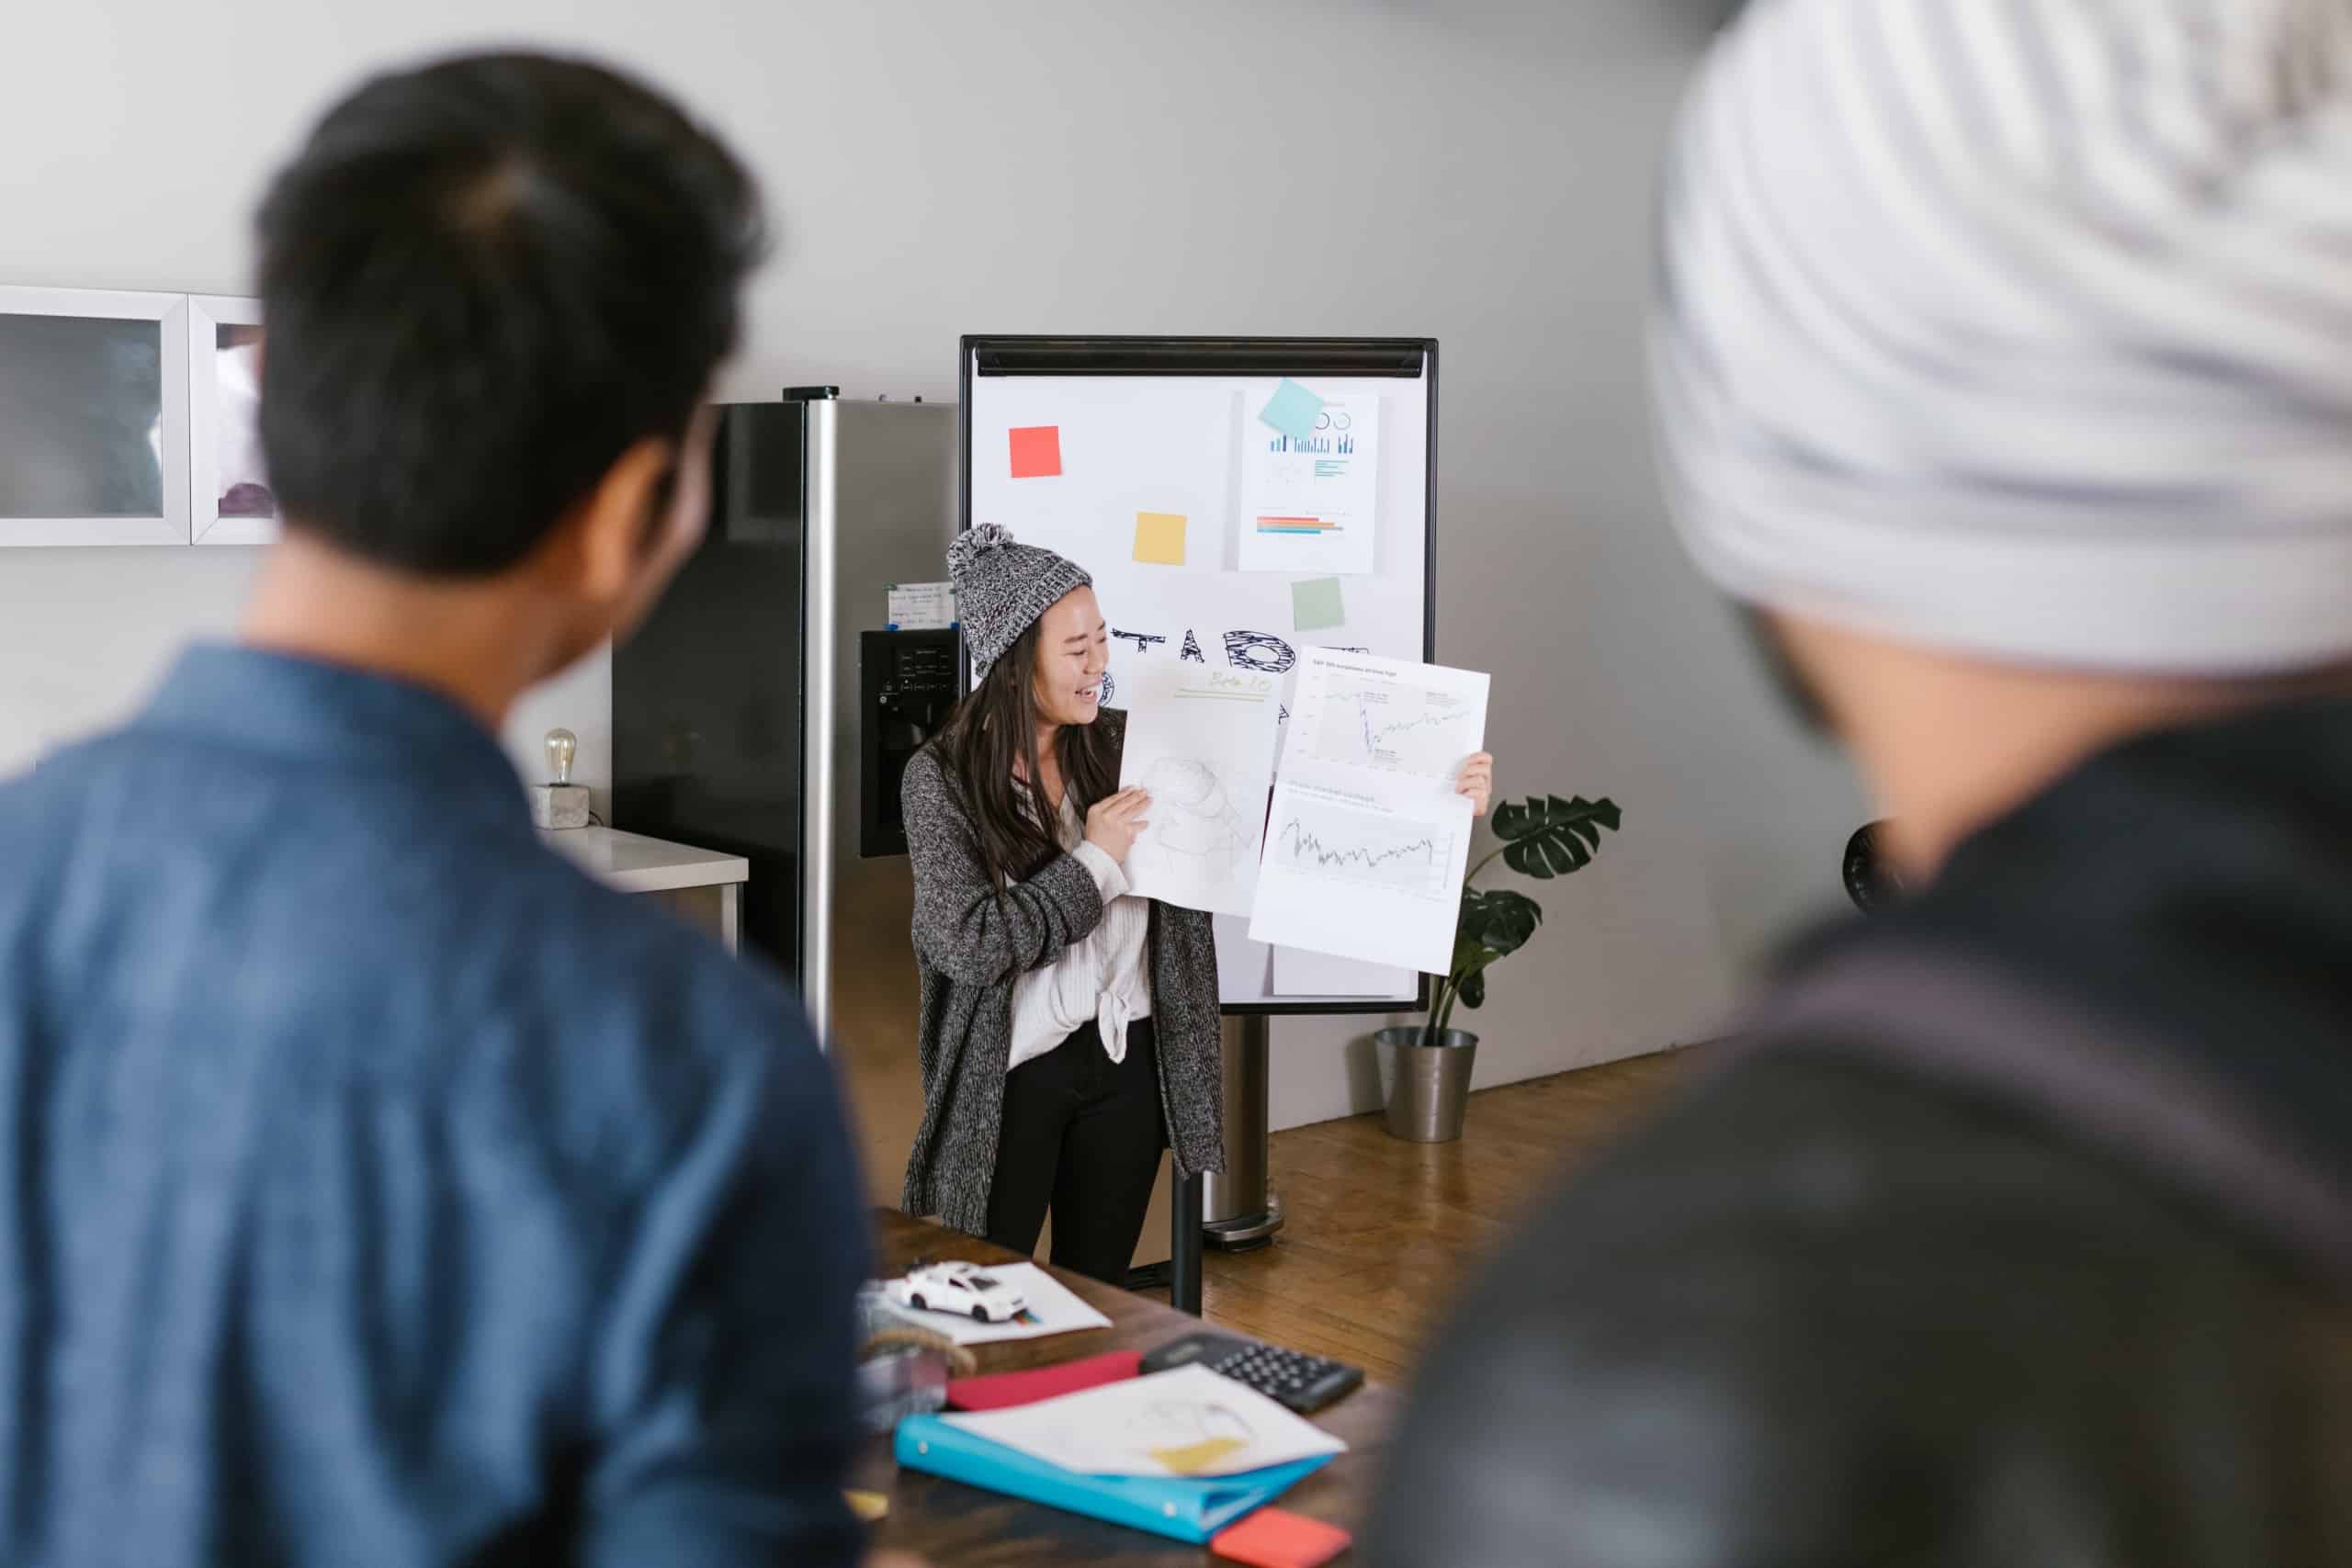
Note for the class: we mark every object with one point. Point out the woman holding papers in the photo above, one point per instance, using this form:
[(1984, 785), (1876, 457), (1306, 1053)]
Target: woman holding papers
[(1069, 1028)]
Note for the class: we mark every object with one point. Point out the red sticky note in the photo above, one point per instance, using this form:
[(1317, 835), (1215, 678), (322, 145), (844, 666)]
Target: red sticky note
[(1002, 1391), (1038, 452), (1273, 1538)]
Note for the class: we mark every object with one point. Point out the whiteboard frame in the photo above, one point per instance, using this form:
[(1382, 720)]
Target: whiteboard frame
[(1402, 358)]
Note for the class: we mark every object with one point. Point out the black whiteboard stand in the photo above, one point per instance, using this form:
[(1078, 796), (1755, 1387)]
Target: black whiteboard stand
[(1184, 1247), (1237, 1214)]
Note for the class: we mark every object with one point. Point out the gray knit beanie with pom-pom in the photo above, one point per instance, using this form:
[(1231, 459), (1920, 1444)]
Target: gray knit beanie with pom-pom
[(1002, 587)]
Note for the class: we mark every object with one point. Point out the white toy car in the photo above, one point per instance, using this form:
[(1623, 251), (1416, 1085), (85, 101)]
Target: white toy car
[(959, 1288)]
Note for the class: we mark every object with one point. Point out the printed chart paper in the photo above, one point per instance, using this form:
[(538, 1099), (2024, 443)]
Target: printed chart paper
[(1310, 503), (1202, 741), (1367, 842), (1189, 1421)]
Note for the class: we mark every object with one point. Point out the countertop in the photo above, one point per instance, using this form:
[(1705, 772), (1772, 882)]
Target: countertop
[(635, 863)]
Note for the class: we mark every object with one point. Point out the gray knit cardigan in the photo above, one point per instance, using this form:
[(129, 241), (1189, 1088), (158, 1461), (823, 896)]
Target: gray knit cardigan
[(970, 948)]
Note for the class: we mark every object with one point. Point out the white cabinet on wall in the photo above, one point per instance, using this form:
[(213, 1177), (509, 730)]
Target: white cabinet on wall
[(230, 500), (94, 435), (128, 419)]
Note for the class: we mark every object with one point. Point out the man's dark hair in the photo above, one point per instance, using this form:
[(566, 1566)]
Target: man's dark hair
[(483, 281)]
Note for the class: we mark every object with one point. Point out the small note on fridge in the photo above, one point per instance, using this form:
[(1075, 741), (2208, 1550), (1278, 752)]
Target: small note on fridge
[(1201, 739), (1188, 1421), (1298, 973), (1310, 502), (921, 606), (1368, 839)]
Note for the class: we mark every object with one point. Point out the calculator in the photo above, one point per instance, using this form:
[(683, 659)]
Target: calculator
[(1306, 1383)]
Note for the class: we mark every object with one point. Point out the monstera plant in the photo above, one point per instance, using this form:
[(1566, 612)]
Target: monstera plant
[(1543, 837)]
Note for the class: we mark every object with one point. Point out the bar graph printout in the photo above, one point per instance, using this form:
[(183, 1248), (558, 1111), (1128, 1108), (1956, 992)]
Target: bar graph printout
[(1310, 502), (1367, 841)]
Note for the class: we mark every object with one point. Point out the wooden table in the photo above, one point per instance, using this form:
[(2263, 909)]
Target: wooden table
[(956, 1526)]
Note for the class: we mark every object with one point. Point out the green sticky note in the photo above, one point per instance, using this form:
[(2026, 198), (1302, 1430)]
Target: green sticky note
[(1293, 410), (1315, 605), (1159, 539)]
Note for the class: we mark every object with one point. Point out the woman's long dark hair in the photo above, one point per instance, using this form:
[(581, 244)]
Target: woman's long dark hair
[(994, 730)]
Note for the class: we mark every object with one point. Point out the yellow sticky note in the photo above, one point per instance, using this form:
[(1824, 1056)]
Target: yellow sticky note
[(1159, 539)]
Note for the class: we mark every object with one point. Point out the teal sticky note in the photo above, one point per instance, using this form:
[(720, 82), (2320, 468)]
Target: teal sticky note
[(1293, 410), (1315, 605)]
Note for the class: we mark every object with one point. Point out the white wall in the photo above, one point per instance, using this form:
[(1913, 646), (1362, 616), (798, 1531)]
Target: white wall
[(1479, 170), (85, 635)]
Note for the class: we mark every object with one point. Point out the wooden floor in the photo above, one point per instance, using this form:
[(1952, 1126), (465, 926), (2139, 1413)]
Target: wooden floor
[(1380, 1231)]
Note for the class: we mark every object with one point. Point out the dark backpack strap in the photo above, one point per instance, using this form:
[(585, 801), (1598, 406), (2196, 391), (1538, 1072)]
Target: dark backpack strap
[(1971, 1026)]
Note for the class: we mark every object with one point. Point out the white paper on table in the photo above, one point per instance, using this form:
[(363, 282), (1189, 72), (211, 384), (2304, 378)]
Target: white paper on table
[(1298, 973), (1368, 840), (1202, 741), (1312, 506), (1186, 1422), (1053, 1308)]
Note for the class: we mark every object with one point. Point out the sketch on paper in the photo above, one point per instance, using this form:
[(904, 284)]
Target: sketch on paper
[(1202, 741), (1194, 816)]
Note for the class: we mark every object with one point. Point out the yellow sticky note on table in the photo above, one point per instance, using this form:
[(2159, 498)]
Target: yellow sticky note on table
[(1159, 539)]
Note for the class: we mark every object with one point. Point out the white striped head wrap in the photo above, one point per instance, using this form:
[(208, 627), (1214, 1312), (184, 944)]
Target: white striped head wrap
[(2021, 327)]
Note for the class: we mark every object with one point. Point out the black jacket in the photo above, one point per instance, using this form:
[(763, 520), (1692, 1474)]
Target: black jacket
[(1927, 1284)]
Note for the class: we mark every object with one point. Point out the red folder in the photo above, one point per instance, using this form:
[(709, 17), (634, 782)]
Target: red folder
[(1002, 1391)]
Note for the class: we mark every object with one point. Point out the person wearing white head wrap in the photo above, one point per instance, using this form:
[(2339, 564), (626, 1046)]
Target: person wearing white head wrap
[(2004, 369), (2023, 330)]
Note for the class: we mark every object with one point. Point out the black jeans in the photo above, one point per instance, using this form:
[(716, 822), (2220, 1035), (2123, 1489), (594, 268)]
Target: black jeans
[(1083, 1134)]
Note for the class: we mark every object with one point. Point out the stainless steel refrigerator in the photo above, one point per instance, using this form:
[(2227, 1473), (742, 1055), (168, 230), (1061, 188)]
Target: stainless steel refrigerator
[(765, 709)]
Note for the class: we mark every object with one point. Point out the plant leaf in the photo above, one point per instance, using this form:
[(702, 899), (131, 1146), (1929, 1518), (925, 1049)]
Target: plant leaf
[(1550, 837), (1474, 991)]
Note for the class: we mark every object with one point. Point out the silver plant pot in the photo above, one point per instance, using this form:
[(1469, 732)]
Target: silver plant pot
[(1432, 1089)]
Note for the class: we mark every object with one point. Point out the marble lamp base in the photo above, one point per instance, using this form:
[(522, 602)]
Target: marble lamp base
[(560, 805)]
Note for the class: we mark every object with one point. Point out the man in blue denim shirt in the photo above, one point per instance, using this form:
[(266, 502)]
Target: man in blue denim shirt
[(374, 1189)]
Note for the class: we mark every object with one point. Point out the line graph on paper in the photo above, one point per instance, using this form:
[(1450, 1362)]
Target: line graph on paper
[(1399, 854), (1408, 728)]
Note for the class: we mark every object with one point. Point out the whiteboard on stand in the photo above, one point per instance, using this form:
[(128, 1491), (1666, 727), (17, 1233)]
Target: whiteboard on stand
[(1161, 477)]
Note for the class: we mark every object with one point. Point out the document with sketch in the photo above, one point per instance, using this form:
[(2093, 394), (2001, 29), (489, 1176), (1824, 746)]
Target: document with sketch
[(1202, 741), (1367, 842)]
